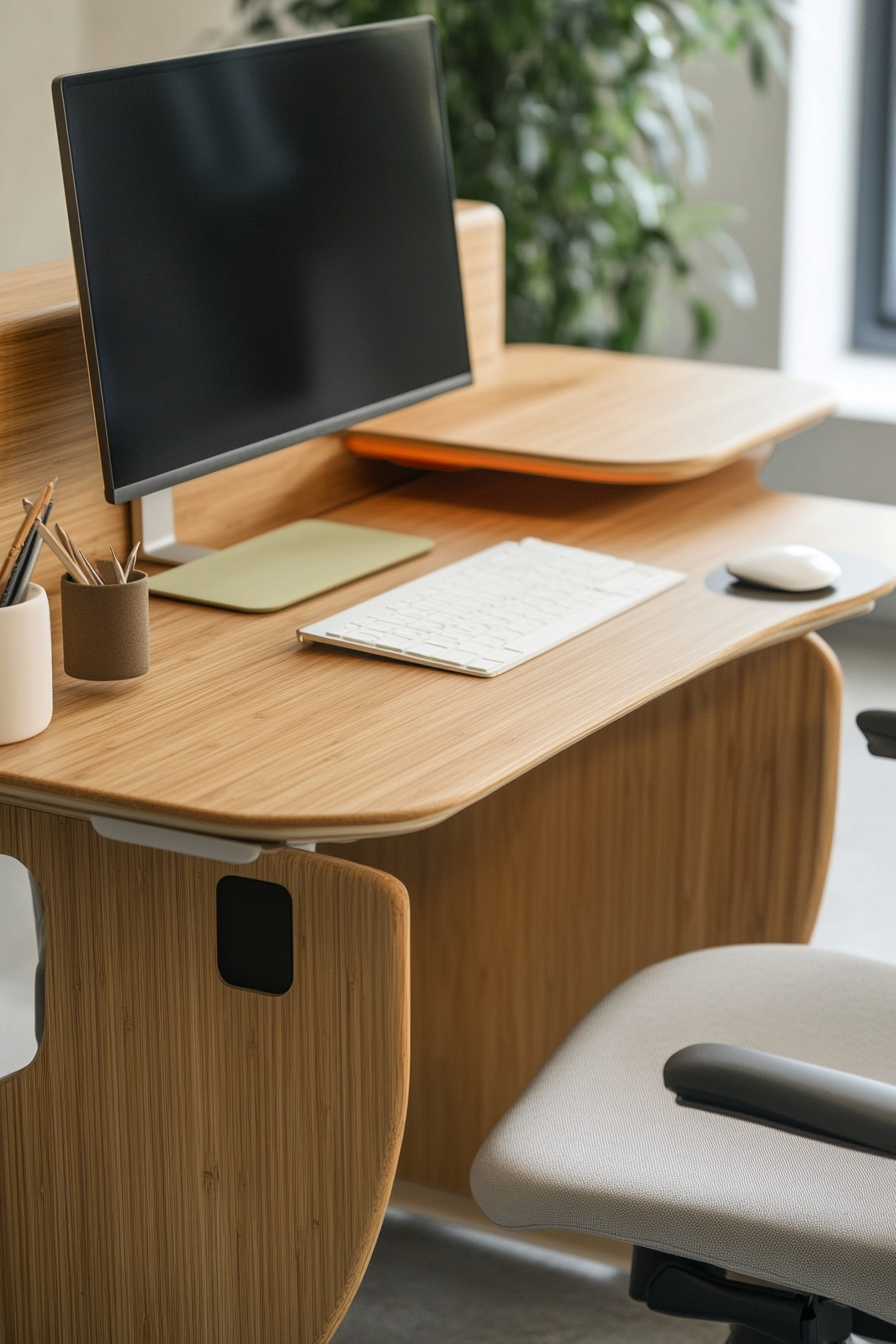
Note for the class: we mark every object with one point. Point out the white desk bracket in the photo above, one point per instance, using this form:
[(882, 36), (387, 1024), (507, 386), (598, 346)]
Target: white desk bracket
[(152, 523), (216, 847)]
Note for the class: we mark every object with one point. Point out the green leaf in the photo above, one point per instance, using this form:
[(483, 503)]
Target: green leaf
[(704, 327)]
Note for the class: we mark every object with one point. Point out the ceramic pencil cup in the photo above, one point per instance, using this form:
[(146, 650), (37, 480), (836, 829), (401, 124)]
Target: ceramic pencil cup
[(26, 667), (105, 630)]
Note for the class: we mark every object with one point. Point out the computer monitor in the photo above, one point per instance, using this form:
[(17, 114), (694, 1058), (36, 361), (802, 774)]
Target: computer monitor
[(264, 244)]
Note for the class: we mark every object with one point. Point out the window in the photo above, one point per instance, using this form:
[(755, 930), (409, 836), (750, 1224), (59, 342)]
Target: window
[(874, 325)]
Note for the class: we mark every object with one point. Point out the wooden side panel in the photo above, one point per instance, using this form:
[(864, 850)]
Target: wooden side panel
[(185, 1161), (480, 245), (703, 818), (46, 429)]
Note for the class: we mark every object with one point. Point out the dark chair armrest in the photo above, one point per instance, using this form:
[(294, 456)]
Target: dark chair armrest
[(807, 1098), (879, 727)]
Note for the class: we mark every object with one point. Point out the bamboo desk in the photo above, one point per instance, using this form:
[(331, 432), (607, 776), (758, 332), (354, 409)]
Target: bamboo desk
[(187, 1162)]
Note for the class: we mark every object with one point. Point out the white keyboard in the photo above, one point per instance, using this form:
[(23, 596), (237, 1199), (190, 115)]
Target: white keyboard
[(495, 609)]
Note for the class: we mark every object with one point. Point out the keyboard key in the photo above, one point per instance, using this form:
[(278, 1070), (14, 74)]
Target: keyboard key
[(434, 651), (453, 658), (391, 644)]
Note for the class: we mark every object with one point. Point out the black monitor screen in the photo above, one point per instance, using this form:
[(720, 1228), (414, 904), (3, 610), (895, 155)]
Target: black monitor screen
[(265, 246)]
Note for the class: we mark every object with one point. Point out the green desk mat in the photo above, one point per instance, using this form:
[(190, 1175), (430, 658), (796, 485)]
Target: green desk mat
[(287, 565)]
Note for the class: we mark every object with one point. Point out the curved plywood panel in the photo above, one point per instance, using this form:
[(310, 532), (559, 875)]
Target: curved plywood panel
[(703, 818), (184, 1160)]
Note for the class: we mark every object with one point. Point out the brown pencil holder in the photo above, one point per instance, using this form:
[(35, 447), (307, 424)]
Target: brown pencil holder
[(105, 631)]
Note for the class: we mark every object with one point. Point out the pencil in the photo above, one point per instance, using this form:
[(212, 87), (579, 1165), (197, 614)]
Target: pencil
[(116, 565), (19, 579), (66, 541), (92, 575), (131, 561), (21, 537), (62, 554)]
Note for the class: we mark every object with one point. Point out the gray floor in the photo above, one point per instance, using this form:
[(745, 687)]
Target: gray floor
[(430, 1283)]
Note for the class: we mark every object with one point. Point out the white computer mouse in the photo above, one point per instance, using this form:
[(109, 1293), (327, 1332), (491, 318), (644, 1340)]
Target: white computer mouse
[(790, 569)]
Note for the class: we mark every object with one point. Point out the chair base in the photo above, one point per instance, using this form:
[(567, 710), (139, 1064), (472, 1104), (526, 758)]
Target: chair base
[(742, 1334), (757, 1314)]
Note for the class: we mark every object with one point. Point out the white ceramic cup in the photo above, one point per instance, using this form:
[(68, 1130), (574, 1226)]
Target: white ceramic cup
[(26, 667)]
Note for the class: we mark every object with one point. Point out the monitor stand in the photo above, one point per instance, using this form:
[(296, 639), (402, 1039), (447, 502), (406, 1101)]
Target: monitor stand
[(270, 572), (152, 524)]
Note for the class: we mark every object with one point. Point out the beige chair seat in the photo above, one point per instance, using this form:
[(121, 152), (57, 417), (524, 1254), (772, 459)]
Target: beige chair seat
[(597, 1144)]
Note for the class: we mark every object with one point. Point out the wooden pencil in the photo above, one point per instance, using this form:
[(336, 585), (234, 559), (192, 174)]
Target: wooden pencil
[(31, 517), (92, 575), (67, 542), (116, 565), (62, 554), (131, 561)]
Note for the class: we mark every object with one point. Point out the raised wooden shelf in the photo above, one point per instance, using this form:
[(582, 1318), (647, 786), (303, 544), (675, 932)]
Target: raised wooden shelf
[(591, 415)]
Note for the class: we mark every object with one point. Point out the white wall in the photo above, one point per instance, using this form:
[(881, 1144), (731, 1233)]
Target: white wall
[(851, 458), (43, 38), (38, 39), (748, 157), (117, 32)]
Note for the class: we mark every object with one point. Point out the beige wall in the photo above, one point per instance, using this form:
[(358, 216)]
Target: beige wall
[(38, 39), (748, 157), (117, 32), (43, 38)]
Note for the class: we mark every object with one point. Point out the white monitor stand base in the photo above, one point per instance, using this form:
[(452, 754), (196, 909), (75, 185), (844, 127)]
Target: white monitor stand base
[(152, 521)]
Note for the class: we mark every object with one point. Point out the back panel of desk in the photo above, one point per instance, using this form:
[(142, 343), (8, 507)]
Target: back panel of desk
[(47, 428)]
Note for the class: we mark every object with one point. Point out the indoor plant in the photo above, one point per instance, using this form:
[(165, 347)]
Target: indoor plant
[(574, 118)]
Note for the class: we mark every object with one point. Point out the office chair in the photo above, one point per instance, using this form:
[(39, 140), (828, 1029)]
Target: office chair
[(709, 1112)]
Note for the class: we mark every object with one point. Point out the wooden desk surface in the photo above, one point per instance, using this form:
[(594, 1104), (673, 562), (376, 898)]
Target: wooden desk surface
[(594, 415), (239, 730)]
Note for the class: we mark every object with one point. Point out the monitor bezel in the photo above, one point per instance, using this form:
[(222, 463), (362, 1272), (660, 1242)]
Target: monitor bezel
[(121, 494)]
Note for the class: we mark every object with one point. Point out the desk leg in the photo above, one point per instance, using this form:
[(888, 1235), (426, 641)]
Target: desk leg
[(184, 1162), (701, 819)]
